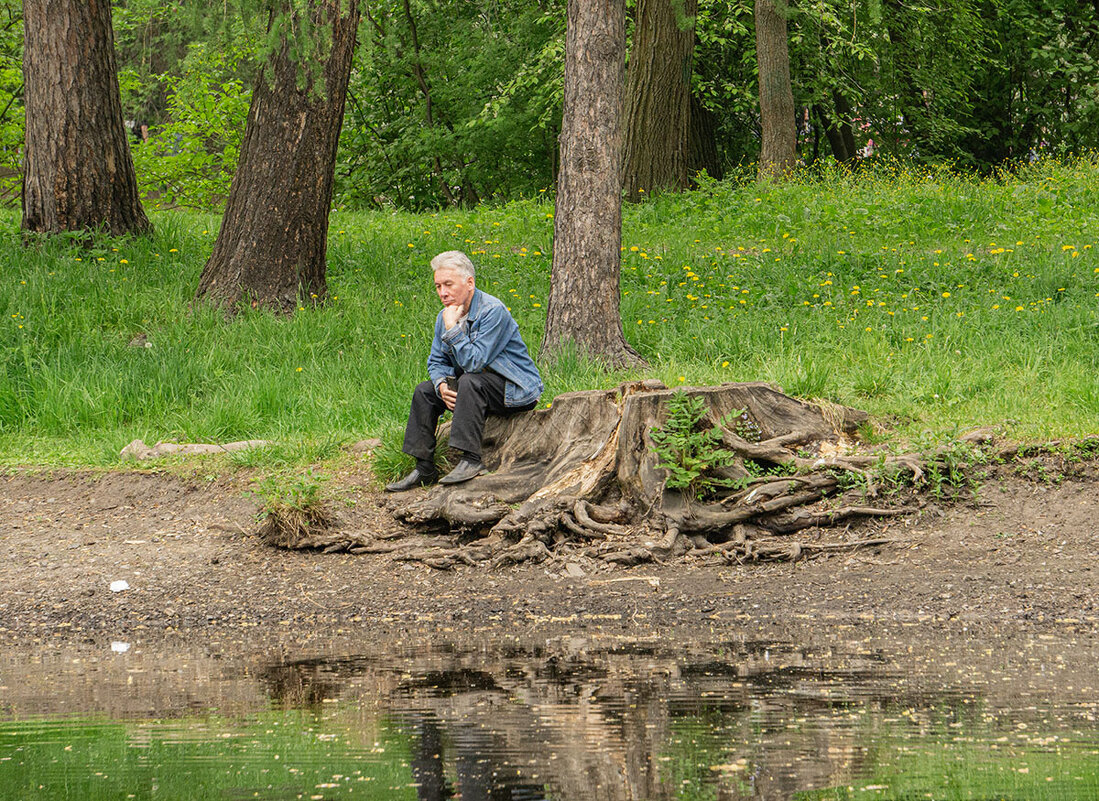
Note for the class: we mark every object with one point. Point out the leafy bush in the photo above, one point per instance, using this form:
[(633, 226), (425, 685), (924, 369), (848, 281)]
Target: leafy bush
[(190, 160), (688, 451)]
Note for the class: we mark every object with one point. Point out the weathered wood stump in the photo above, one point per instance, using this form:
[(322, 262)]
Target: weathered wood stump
[(583, 476)]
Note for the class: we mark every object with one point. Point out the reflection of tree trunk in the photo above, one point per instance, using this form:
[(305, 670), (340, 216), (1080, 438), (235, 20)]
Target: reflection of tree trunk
[(658, 97), (776, 98), (703, 151), (584, 302), (427, 761)]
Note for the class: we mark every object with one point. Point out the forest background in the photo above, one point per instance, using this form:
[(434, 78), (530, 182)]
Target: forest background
[(452, 103), (931, 262)]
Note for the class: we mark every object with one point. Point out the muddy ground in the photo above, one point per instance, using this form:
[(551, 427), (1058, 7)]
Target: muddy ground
[(1019, 559)]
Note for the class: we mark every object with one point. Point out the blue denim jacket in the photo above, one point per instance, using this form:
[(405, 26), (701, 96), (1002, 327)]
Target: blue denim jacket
[(489, 337)]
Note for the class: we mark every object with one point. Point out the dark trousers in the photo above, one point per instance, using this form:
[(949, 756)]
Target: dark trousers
[(479, 394)]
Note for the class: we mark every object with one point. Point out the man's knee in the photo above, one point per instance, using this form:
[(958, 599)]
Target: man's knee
[(425, 389)]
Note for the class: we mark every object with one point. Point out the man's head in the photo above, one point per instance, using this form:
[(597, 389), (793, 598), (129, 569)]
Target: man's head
[(454, 278)]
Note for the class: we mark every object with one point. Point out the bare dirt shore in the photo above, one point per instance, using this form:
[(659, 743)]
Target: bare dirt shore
[(1022, 557)]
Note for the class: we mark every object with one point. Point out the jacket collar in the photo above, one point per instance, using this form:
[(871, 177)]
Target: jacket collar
[(474, 304)]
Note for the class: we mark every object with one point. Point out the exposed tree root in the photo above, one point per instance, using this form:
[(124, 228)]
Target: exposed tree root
[(580, 481)]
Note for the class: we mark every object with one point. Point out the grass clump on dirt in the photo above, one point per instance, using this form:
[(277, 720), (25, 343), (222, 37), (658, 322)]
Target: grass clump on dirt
[(294, 508), (934, 301)]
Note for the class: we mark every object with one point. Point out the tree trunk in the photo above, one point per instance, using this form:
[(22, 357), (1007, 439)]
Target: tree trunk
[(704, 154), (837, 127), (776, 98), (271, 248), (78, 173), (658, 97), (583, 302)]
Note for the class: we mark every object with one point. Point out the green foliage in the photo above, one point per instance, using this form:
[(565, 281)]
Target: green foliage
[(190, 159), (688, 450), (11, 100), (452, 103), (289, 491)]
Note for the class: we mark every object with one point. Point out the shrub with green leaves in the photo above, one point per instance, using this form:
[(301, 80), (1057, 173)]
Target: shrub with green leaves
[(688, 450), (190, 160)]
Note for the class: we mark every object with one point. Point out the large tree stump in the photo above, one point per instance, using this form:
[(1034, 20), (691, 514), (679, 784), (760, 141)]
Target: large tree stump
[(584, 474)]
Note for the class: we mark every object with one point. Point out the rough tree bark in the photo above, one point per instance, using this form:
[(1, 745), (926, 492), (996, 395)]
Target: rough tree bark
[(658, 97), (584, 301), (270, 251), (776, 98), (78, 172)]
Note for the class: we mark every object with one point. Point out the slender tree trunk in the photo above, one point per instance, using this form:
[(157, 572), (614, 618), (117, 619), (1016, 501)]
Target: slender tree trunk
[(271, 248), (583, 302), (778, 153), (837, 127), (704, 154), (658, 97), (78, 172)]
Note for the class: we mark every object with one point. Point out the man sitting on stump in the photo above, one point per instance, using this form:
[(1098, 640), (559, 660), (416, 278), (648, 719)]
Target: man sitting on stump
[(478, 365)]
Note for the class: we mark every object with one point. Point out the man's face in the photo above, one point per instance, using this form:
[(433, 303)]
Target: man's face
[(453, 288)]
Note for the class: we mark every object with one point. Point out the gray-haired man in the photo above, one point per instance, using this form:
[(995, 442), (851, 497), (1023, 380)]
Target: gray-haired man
[(478, 365)]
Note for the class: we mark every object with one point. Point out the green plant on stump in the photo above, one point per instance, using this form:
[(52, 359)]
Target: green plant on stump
[(689, 452), (293, 510)]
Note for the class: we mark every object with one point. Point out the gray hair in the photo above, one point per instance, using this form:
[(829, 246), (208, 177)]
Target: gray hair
[(454, 260)]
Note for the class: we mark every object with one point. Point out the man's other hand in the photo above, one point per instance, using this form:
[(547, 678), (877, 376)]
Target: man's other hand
[(448, 395), (451, 314)]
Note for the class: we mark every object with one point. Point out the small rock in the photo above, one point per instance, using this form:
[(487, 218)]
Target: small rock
[(120, 585), (136, 450), (364, 446), (574, 570)]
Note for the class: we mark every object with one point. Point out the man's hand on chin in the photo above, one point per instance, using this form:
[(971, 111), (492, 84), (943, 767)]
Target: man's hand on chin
[(451, 315)]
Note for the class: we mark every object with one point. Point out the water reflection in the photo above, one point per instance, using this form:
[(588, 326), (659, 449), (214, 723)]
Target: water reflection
[(579, 720)]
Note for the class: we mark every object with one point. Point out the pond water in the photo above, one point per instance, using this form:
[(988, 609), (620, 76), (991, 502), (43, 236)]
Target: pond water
[(578, 719)]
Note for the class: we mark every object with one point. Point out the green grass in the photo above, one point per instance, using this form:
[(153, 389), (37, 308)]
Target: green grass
[(933, 301)]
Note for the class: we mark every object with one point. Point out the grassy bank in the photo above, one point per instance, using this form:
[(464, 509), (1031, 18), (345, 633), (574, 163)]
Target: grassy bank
[(933, 301)]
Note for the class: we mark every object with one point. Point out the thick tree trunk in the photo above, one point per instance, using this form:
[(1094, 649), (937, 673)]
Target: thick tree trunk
[(78, 172), (776, 98), (583, 302), (658, 97), (271, 248)]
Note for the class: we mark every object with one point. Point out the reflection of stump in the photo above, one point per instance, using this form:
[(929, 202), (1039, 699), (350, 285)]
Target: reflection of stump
[(584, 472)]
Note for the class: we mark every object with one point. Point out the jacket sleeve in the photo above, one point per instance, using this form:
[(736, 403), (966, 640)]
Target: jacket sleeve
[(494, 330), (439, 364)]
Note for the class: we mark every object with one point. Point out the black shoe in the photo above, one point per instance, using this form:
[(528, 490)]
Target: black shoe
[(417, 478), (466, 469)]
